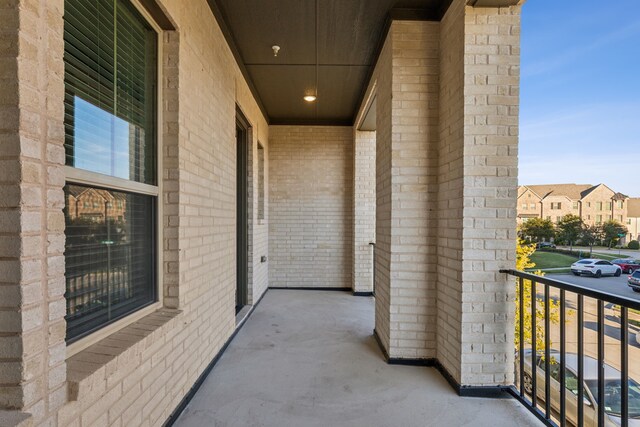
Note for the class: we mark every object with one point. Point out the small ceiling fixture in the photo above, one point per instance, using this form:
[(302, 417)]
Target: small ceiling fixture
[(276, 49), (310, 98)]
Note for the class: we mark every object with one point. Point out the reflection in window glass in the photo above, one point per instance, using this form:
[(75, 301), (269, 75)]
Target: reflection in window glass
[(612, 396), (109, 256), (110, 86), (102, 141)]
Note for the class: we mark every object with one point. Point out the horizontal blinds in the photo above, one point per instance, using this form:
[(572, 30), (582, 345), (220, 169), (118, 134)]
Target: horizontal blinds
[(110, 86), (109, 256)]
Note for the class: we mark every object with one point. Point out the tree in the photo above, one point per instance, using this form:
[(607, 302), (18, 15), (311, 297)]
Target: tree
[(611, 230), (538, 229), (523, 262), (569, 228), (592, 234)]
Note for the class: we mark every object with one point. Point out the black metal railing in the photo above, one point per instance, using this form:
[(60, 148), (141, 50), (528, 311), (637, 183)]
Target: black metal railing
[(579, 389)]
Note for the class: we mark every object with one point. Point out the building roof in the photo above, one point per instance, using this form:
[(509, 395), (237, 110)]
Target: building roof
[(620, 196), (633, 208), (571, 191)]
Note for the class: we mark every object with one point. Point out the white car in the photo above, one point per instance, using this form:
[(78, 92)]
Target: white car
[(595, 267)]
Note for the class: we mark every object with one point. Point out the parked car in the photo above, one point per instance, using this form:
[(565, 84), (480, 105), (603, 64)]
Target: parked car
[(545, 245), (634, 282), (628, 265), (595, 267), (612, 400)]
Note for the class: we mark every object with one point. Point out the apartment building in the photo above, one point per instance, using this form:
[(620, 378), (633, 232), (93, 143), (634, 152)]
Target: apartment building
[(633, 219), (160, 171), (595, 204)]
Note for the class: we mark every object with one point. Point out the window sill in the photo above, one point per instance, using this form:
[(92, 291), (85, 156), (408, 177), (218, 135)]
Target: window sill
[(104, 358), (15, 419)]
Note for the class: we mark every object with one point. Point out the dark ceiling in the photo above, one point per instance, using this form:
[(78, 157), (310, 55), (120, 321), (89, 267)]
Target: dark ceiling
[(348, 37)]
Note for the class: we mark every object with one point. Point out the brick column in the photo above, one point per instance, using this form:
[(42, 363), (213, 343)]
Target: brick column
[(364, 209), (32, 285), (407, 173), (478, 190)]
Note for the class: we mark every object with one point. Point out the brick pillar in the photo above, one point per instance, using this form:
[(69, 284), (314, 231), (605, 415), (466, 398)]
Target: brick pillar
[(32, 285), (364, 209), (407, 173), (478, 190)]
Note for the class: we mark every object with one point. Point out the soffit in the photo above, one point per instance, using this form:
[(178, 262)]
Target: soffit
[(348, 38)]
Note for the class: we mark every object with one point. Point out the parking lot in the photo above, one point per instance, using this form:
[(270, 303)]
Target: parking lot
[(614, 285)]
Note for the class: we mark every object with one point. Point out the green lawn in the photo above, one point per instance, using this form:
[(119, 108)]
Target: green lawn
[(544, 260)]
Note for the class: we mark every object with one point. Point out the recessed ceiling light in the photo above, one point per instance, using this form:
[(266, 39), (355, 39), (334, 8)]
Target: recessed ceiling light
[(310, 98)]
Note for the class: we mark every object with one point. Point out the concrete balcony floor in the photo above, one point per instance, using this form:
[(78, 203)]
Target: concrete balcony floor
[(308, 358)]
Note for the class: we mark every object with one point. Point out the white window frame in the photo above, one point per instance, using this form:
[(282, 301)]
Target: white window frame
[(84, 177)]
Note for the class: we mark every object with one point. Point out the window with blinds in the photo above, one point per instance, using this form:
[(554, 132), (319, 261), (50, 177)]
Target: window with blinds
[(110, 131), (110, 87)]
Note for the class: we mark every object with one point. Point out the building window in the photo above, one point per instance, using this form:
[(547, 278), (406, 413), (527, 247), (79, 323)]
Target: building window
[(558, 218), (588, 204), (532, 206), (575, 205), (260, 182), (110, 133), (548, 218), (557, 205), (620, 219), (599, 206), (629, 221), (620, 204), (598, 219), (524, 206), (589, 217), (609, 205)]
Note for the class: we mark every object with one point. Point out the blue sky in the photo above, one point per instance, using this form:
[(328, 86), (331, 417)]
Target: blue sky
[(580, 93)]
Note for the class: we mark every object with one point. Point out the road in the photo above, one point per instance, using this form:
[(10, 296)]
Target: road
[(613, 285)]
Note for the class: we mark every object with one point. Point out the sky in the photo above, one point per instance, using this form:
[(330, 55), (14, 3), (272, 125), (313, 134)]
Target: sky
[(580, 93)]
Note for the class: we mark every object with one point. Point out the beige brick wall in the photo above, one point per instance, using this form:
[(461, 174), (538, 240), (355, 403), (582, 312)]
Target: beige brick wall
[(528, 198), (414, 177), (405, 82), (32, 306), (364, 209), (446, 151), (310, 207), (590, 206), (475, 342), (138, 375), (383, 81), (566, 208), (450, 192)]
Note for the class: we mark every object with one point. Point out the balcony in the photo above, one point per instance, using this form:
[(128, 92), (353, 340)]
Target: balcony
[(309, 358)]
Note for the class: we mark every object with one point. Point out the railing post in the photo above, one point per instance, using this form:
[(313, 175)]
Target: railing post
[(580, 360), (521, 332), (601, 395), (624, 364), (534, 350), (563, 354), (547, 355)]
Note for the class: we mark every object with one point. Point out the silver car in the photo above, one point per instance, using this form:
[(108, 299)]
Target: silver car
[(634, 281), (613, 401)]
